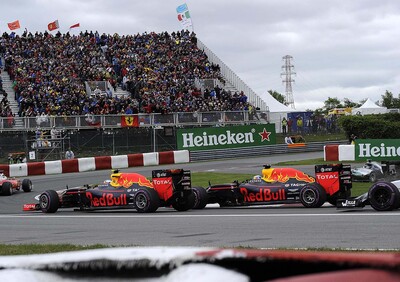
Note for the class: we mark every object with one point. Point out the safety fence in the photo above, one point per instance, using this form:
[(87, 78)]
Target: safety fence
[(257, 151)]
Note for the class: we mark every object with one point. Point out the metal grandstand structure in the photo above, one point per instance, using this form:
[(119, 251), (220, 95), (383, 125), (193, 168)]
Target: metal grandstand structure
[(232, 79)]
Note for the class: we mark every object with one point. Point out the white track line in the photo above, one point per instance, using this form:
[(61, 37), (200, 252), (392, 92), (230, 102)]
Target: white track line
[(155, 215)]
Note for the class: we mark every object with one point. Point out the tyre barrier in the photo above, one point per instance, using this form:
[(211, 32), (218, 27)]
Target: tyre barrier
[(95, 163)]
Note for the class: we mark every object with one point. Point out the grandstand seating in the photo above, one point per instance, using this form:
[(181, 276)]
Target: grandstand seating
[(158, 70)]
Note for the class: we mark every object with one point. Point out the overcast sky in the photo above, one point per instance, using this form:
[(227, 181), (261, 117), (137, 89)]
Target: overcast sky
[(343, 49)]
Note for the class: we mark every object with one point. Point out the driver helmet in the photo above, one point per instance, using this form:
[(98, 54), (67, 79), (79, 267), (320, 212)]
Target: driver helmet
[(257, 177)]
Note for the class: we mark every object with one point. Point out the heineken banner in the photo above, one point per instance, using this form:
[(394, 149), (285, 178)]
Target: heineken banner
[(377, 149), (208, 138)]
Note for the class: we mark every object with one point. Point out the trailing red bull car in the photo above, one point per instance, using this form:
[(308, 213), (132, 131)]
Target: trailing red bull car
[(8, 185), (170, 187), (286, 186)]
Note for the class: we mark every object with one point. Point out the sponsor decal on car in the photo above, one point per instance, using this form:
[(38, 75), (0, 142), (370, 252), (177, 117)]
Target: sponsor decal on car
[(283, 175), (263, 195), (129, 179), (107, 200), (348, 203)]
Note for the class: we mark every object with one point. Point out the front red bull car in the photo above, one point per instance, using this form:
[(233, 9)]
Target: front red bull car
[(285, 186), (124, 190)]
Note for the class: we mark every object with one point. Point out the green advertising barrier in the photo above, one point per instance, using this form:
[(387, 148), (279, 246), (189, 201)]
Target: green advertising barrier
[(377, 149), (208, 138)]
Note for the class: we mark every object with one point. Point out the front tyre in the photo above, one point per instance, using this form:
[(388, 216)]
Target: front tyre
[(184, 203), (26, 185), (312, 196), (384, 196), (340, 195), (147, 200), (49, 201), (6, 189), (201, 198)]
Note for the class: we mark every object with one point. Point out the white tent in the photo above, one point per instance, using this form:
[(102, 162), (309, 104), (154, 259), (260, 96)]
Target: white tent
[(274, 106), (277, 111), (369, 108)]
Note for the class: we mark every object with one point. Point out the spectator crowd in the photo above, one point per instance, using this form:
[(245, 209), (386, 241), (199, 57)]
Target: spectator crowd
[(158, 69)]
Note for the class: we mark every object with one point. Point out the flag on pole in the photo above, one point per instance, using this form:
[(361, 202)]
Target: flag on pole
[(74, 25), (184, 16), (53, 25), (14, 25)]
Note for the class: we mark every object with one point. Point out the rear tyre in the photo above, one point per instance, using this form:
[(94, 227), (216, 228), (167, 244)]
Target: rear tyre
[(49, 201), (312, 196), (7, 189), (200, 198), (26, 185), (384, 196), (184, 203), (147, 200)]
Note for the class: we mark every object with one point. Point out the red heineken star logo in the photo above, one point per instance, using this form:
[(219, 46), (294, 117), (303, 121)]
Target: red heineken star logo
[(264, 135)]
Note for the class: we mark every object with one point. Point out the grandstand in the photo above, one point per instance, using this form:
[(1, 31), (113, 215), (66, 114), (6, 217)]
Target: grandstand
[(91, 80)]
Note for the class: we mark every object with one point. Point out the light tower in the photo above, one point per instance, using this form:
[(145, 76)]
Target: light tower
[(287, 72)]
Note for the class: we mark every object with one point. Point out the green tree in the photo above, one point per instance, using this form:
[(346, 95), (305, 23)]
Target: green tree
[(332, 103), (278, 96), (389, 101), (347, 103)]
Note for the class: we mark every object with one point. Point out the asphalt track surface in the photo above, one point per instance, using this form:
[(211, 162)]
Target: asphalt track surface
[(290, 226)]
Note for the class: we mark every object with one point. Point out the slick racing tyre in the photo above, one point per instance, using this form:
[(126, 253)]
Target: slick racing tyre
[(312, 196), (184, 203), (6, 189), (200, 198), (373, 177), (26, 185), (49, 201), (147, 200), (384, 196)]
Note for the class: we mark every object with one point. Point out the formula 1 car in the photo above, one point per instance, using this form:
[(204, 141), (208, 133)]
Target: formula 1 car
[(286, 186), (370, 171), (382, 196), (170, 187), (8, 185)]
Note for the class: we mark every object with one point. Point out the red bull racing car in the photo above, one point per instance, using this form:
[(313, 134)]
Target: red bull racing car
[(8, 185), (171, 187), (286, 186)]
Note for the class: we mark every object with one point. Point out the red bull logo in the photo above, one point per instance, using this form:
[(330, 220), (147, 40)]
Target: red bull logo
[(107, 200), (263, 195), (283, 175), (126, 180)]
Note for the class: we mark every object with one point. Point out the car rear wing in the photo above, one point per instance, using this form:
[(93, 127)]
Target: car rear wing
[(180, 178), (334, 177)]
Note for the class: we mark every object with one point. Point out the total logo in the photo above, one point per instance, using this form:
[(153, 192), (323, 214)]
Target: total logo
[(162, 182), (326, 176)]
